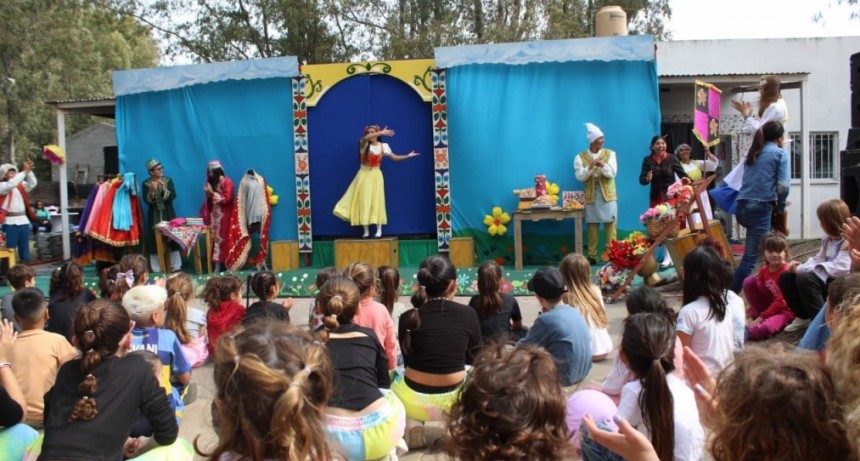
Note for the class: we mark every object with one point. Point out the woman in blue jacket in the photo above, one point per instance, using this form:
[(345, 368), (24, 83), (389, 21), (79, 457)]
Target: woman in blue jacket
[(765, 189)]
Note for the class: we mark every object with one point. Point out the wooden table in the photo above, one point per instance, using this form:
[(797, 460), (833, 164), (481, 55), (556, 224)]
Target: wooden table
[(540, 215), (162, 248)]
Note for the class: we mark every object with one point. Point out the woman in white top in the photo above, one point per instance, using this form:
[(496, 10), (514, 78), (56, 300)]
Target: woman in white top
[(711, 322), (696, 170), (771, 107), (363, 203)]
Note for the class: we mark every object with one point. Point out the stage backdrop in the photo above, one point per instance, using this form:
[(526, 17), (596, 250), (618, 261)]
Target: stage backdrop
[(335, 125), (237, 112), (517, 110)]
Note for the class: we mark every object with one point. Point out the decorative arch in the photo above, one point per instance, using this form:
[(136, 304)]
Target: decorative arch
[(419, 75)]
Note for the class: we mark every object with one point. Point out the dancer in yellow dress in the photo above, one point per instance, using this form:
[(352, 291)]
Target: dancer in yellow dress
[(363, 203)]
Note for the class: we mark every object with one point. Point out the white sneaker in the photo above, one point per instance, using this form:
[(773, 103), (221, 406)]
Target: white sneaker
[(798, 324)]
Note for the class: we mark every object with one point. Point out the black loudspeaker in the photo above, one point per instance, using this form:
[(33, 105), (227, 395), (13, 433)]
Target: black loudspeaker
[(855, 90), (111, 154), (850, 187)]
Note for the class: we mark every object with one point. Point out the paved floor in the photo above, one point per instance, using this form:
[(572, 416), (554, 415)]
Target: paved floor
[(197, 424)]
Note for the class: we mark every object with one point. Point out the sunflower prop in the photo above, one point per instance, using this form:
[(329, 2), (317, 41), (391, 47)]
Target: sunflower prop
[(273, 198), (496, 223)]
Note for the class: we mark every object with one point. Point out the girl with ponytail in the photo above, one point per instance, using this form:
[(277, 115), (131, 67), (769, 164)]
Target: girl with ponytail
[(657, 403), (273, 382), (371, 314), (438, 338), (266, 286), (90, 410), (187, 321), (363, 418)]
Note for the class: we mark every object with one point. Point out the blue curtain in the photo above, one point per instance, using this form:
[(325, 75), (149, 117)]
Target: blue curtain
[(243, 123), (508, 123)]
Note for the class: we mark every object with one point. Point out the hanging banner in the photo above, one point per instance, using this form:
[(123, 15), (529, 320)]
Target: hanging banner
[(706, 113)]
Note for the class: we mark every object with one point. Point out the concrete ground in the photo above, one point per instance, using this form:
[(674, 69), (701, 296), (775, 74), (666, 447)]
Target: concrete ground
[(197, 424)]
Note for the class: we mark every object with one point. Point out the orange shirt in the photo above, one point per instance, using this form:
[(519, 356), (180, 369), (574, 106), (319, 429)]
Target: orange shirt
[(36, 357)]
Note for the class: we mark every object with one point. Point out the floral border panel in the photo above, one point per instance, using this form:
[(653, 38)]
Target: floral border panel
[(303, 182), (439, 105)]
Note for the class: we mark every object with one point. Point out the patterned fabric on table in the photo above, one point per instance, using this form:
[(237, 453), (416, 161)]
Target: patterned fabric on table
[(184, 236)]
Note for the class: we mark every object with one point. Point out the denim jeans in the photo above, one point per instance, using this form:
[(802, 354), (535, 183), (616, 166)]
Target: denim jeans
[(817, 333), (754, 215), (593, 451), (18, 236)]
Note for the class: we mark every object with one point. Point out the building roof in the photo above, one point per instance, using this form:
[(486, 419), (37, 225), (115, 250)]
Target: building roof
[(102, 107)]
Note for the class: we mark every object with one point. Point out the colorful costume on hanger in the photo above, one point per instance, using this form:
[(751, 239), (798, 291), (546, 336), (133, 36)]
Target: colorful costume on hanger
[(252, 213), (119, 206), (363, 203)]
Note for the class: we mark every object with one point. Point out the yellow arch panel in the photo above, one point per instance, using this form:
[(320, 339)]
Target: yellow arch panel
[(321, 77)]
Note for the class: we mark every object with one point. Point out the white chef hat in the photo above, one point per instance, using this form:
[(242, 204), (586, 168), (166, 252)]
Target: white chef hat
[(592, 132)]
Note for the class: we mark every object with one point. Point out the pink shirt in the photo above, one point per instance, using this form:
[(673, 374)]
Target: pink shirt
[(374, 315)]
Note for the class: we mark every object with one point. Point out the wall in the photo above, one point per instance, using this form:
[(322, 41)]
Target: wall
[(84, 149)]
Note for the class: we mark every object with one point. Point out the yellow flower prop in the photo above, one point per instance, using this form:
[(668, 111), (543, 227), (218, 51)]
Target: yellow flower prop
[(552, 189), (496, 223), (273, 199)]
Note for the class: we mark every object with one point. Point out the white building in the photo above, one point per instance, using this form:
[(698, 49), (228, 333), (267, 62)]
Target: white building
[(815, 73)]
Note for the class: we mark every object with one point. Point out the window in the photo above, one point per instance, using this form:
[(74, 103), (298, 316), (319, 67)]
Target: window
[(796, 155), (822, 155)]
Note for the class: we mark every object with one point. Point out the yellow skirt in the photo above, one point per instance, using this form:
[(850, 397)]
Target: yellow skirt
[(363, 202)]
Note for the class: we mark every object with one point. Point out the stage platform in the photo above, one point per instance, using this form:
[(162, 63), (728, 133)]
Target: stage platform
[(300, 283)]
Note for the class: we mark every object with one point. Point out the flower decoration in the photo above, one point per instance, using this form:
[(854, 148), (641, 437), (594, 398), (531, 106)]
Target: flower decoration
[(273, 198), (552, 189), (610, 277), (680, 192), (661, 212), (496, 223), (625, 254)]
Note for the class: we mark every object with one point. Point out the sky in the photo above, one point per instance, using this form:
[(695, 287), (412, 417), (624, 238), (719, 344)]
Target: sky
[(723, 19)]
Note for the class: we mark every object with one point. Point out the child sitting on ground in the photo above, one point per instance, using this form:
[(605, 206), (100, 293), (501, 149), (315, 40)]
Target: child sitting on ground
[(188, 322), (560, 329), (583, 295), (266, 286), (133, 271), (20, 276), (499, 312), (37, 354), (67, 295), (314, 315), (273, 381), (642, 300), (768, 314), (107, 282), (363, 417), (389, 293), (222, 295), (511, 408), (804, 285), (371, 314), (145, 306), (90, 410), (658, 404)]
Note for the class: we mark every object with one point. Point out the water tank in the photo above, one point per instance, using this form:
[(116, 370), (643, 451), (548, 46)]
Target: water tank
[(610, 20)]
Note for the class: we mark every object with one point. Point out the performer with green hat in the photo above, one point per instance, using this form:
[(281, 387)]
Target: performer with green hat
[(159, 193)]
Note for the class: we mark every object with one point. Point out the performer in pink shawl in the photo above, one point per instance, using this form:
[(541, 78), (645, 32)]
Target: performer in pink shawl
[(216, 211)]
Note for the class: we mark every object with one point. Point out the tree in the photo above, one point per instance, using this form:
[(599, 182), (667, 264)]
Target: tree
[(320, 31), (60, 49)]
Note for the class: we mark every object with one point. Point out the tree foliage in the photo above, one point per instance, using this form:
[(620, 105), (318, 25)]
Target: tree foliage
[(320, 31), (55, 50)]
